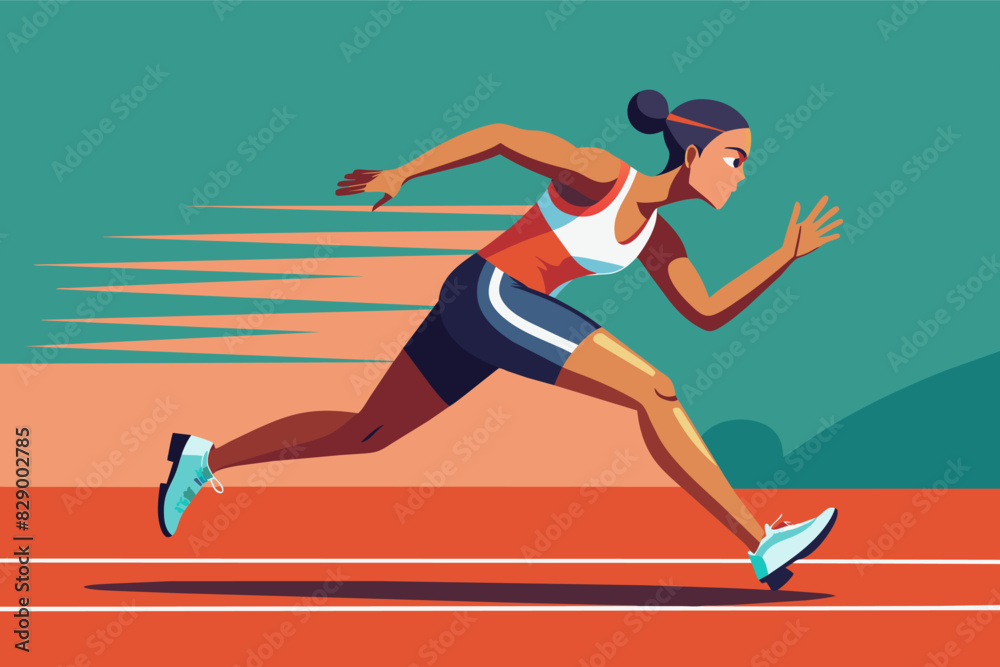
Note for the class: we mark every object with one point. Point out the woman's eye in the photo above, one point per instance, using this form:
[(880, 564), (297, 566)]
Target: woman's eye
[(732, 161)]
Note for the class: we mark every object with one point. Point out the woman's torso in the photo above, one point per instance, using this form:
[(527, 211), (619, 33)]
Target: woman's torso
[(556, 241)]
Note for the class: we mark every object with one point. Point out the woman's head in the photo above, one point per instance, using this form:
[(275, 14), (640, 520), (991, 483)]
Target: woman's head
[(708, 138)]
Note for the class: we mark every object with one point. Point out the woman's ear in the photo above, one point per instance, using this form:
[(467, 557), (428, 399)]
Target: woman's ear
[(689, 155)]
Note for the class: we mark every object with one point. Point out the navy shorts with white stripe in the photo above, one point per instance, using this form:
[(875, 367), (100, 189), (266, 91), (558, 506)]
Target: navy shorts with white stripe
[(485, 320)]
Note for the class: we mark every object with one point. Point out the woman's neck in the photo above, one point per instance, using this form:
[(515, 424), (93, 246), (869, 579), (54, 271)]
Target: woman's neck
[(654, 191)]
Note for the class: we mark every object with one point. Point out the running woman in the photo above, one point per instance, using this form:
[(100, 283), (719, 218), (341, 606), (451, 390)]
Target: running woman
[(596, 217)]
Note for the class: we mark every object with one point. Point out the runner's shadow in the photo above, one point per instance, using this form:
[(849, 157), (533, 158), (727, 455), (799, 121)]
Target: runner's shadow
[(455, 591)]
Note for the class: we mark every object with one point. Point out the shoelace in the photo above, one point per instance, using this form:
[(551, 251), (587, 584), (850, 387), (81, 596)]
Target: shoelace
[(216, 484), (783, 523)]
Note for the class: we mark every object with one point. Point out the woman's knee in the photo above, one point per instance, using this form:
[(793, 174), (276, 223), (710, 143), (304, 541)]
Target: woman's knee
[(375, 440), (361, 434), (656, 393), (622, 370), (663, 387)]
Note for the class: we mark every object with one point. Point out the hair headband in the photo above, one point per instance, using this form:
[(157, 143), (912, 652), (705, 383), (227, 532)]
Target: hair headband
[(678, 119)]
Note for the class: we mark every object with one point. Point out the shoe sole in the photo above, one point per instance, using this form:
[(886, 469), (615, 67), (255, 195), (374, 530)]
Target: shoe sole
[(780, 576), (177, 443)]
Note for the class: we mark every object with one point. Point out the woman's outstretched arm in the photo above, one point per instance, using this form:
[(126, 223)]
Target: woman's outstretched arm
[(589, 170), (667, 262)]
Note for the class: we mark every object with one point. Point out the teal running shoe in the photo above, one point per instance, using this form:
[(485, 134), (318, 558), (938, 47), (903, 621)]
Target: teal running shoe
[(783, 546), (189, 454)]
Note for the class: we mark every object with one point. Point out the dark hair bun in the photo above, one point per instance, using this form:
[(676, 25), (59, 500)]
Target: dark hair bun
[(647, 111)]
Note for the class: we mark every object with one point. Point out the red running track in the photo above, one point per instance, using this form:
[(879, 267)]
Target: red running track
[(887, 611)]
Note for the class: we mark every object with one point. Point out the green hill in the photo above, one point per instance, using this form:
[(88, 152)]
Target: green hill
[(941, 431)]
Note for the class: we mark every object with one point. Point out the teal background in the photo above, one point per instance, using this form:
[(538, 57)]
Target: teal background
[(823, 359)]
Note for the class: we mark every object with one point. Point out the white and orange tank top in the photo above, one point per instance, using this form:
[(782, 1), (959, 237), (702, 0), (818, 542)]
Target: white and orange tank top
[(556, 242)]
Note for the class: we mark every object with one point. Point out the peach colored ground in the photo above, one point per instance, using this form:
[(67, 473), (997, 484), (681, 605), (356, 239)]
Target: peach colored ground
[(109, 425)]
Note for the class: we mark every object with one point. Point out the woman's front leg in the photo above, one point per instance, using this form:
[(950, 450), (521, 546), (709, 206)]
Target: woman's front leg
[(604, 367)]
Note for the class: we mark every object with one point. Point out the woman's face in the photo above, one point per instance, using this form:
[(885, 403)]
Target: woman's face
[(718, 169)]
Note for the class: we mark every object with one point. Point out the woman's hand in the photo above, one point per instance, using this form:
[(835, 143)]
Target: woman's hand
[(366, 180), (804, 237)]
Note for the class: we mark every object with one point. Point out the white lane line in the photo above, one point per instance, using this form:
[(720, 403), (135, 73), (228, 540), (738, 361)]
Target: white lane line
[(508, 608), (498, 561)]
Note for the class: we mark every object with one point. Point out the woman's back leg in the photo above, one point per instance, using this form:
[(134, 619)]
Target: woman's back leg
[(402, 401)]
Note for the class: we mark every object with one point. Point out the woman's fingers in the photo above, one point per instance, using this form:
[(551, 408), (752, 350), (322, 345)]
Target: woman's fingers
[(827, 239), (359, 176), (353, 190), (826, 216), (795, 214), (349, 179), (356, 182), (355, 186), (832, 225), (819, 207), (360, 180)]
